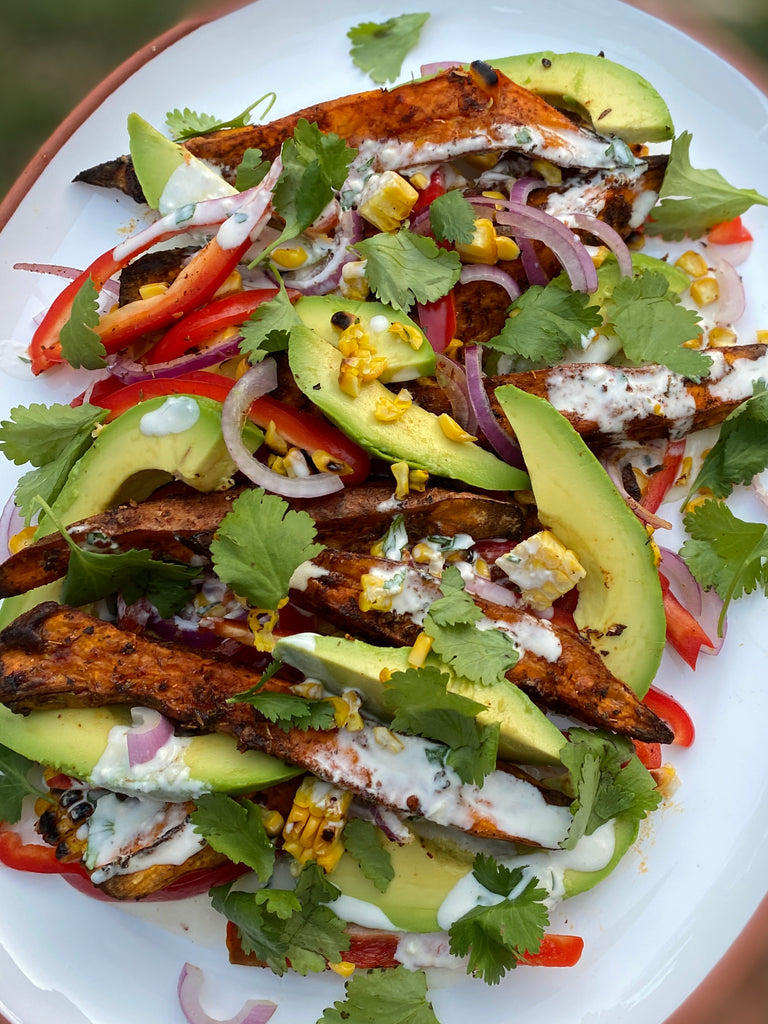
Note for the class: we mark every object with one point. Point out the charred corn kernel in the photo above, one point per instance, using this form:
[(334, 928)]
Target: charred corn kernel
[(349, 379), (385, 675), (261, 623), (346, 710), (453, 346), (705, 290), (277, 463), (378, 592), (295, 463), (41, 805), (274, 440), (310, 689), (722, 337), (543, 568), (340, 710), (667, 780), (506, 248), (354, 283), (387, 201), (408, 333), (327, 463), (387, 739), (273, 822), (599, 255), (655, 552), (482, 248), (352, 339), (762, 337), (241, 368), (452, 430), (636, 241), (483, 161), (401, 473), (495, 195), (390, 410), (685, 471), (550, 172), (344, 968), (693, 263), (289, 256), (315, 823), (153, 289), (694, 342), (422, 552), (234, 283), (417, 479), (482, 568), (22, 539), (419, 181), (422, 645)]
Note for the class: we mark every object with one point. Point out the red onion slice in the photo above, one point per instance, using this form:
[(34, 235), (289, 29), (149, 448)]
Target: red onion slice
[(11, 522), (495, 593), (498, 438), (129, 371), (254, 1011), (149, 732), (258, 381), (706, 606), (491, 275), (732, 302), (323, 278), (613, 466), (608, 236), (452, 378), (568, 248)]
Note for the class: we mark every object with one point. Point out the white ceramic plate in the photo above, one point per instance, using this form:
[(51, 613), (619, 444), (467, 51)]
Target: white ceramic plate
[(659, 924)]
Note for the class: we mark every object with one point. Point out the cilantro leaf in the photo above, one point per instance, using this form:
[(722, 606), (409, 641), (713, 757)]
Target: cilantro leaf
[(456, 606), (544, 322), (288, 711), (251, 169), (361, 839), (404, 268), (653, 327), (235, 828), (280, 925), (268, 328), (187, 124), (393, 995), (80, 344), (608, 780), (379, 49), (14, 784), (496, 937), (693, 201), (314, 166), (259, 545), (740, 451), (725, 553), (452, 218)]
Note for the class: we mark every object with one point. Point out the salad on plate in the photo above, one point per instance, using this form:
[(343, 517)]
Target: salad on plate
[(338, 586)]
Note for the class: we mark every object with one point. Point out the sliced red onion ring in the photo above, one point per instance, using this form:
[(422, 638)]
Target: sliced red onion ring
[(439, 65), (258, 381), (608, 236), (491, 275), (70, 273), (523, 187), (736, 254), (452, 378), (732, 302), (705, 606), (568, 248), (149, 732), (498, 438), (496, 593), (129, 371), (323, 278), (612, 467), (11, 522), (254, 1011)]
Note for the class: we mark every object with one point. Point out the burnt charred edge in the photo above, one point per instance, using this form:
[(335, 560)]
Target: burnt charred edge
[(118, 173), (163, 266), (25, 632)]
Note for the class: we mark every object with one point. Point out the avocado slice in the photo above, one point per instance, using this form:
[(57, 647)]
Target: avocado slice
[(404, 362), (72, 740), (169, 175), (425, 873), (176, 437), (416, 438), (620, 607), (527, 735), (614, 99)]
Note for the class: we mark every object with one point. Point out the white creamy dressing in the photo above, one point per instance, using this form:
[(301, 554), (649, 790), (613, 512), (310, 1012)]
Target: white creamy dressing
[(606, 396), (734, 381), (177, 414), (305, 572), (166, 775), (589, 197), (192, 181), (14, 360), (406, 778), (530, 634)]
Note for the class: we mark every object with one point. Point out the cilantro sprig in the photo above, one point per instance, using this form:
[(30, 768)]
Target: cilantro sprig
[(14, 784), (394, 995), (693, 201), (236, 829), (452, 218), (544, 321), (288, 710), (379, 48), (269, 326), (362, 842), (741, 449), (186, 123), (81, 346), (497, 937), (403, 268)]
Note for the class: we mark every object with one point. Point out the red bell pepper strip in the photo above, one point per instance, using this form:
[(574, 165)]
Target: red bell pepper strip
[(438, 321), (34, 857), (299, 428), (648, 753), (197, 327), (673, 713), (684, 633), (556, 951), (729, 232), (660, 482), (434, 188)]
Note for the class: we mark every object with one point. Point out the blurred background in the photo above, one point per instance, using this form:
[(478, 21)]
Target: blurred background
[(54, 53)]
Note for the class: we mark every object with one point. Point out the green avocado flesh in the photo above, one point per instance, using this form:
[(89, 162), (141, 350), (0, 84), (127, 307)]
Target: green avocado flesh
[(404, 362), (613, 99), (415, 438), (620, 607), (425, 873), (527, 736), (125, 462), (72, 740)]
